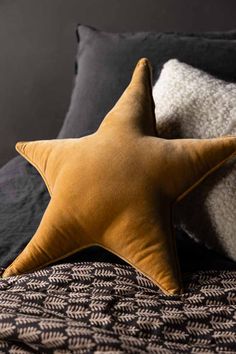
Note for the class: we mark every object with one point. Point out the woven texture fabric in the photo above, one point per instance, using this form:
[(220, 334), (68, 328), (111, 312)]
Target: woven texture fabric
[(100, 307)]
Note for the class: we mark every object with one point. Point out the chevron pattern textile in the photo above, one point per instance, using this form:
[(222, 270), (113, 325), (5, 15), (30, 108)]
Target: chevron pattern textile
[(101, 307)]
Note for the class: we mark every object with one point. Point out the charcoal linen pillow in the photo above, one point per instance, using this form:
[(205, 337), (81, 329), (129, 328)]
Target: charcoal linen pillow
[(105, 61), (193, 104)]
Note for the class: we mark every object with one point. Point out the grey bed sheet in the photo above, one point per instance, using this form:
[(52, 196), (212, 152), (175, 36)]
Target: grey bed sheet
[(23, 199)]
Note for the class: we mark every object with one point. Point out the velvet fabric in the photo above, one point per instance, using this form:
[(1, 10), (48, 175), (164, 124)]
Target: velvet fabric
[(116, 188), (23, 196)]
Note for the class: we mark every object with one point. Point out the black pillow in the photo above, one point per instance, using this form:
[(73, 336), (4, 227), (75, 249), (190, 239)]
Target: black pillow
[(105, 62)]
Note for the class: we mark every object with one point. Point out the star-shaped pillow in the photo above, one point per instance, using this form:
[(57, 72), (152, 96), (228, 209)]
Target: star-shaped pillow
[(116, 188)]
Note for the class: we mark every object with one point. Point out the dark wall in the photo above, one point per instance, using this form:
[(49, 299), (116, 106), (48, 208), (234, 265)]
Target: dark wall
[(37, 48)]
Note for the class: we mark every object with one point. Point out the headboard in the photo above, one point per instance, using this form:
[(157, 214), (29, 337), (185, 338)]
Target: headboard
[(38, 46)]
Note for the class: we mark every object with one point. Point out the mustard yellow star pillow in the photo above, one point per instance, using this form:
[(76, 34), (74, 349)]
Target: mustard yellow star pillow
[(116, 188)]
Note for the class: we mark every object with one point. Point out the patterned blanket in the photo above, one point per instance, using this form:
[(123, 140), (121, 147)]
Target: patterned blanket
[(111, 308)]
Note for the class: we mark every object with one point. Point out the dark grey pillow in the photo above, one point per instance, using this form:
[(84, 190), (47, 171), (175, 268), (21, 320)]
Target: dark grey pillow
[(105, 62)]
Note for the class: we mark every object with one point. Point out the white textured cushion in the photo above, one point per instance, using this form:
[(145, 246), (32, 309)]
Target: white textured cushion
[(193, 104)]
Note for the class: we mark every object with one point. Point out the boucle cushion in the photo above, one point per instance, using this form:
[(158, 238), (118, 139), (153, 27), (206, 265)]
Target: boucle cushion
[(193, 104)]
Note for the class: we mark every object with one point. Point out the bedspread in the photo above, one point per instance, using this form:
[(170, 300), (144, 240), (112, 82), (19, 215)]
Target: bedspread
[(97, 307)]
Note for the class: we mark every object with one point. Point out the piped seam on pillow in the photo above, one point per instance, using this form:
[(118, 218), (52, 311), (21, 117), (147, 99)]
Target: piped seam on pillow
[(166, 291), (208, 173), (22, 153)]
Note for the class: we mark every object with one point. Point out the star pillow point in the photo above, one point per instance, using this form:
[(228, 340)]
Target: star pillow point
[(116, 188)]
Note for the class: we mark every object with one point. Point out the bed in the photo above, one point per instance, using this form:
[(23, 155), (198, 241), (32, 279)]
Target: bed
[(93, 301)]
